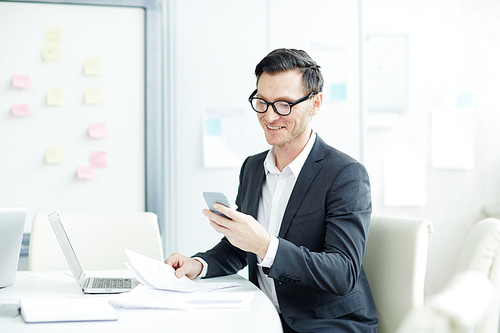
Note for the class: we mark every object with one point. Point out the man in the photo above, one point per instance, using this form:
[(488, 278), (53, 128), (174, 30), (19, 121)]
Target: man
[(303, 211)]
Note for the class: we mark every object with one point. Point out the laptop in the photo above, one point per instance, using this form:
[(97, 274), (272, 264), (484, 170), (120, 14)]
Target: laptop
[(89, 285), (11, 236)]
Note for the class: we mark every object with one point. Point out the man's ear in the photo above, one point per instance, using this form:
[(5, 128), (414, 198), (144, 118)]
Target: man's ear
[(316, 104)]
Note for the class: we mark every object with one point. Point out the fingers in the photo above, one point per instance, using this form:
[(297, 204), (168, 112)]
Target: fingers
[(215, 218), (184, 266), (231, 213), (221, 220), (175, 260), (181, 271)]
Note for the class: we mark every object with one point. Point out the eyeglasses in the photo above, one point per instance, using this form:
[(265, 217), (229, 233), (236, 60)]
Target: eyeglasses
[(283, 108)]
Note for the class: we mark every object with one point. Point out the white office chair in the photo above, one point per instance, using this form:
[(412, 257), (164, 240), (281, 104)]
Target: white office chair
[(395, 264), (481, 253), (457, 308), (99, 240)]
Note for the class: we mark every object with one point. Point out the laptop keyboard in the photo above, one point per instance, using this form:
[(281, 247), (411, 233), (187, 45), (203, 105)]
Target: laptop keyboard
[(111, 283)]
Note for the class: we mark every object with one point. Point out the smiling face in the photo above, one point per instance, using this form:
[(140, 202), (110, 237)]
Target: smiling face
[(288, 134)]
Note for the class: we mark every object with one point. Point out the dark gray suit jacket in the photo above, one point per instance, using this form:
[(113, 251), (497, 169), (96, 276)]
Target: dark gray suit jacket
[(320, 282)]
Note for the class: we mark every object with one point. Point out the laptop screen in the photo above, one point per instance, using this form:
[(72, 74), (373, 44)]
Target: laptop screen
[(11, 233), (63, 239)]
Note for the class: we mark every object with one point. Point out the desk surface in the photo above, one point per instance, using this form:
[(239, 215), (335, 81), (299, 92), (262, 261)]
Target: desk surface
[(262, 316)]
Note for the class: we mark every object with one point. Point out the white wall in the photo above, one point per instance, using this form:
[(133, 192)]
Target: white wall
[(206, 72), (454, 46)]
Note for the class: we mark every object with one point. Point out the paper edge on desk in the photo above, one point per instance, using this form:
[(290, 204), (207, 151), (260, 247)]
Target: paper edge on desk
[(51, 310), (142, 297)]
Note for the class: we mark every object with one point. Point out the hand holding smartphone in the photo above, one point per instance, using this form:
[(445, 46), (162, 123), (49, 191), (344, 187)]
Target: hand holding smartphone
[(216, 197)]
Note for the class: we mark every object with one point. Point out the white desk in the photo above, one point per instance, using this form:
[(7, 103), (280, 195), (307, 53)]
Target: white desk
[(262, 316)]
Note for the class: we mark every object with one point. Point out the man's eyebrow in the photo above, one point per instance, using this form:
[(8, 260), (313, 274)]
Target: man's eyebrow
[(282, 98)]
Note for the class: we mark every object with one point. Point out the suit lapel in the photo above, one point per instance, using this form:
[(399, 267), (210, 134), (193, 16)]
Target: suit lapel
[(252, 207), (253, 203), (303, 183)]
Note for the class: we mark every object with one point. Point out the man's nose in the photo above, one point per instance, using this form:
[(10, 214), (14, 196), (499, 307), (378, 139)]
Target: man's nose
[(271, 115)]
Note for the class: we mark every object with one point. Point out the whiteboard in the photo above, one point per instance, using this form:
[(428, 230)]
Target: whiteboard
[(117, 35)]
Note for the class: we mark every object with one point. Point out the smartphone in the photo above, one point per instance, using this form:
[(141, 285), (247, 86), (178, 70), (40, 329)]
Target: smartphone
[(216, 197)]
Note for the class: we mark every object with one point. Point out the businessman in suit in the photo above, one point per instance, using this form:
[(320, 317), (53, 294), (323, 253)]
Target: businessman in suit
[(303, 211)]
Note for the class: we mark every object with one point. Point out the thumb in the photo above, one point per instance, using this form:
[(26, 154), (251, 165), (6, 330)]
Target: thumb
[(181, 271)]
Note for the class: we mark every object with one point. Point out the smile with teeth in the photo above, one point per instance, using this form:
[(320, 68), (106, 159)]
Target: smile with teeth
[(273, 127)]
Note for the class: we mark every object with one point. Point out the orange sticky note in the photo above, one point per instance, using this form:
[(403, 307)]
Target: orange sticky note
[(21, 81), (85, 172), (98, 159), (20, 110), (97, 131)]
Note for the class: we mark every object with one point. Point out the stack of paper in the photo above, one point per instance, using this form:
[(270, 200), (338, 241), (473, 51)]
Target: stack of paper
[(144, 298), (155, 274), (161, 289)]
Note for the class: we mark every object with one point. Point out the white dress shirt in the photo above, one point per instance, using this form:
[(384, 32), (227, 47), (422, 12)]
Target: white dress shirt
[(276, 192)]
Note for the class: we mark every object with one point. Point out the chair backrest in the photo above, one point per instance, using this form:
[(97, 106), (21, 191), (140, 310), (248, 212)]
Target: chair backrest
[(480, 253), (395, 264), (99, 240), (457, 308)]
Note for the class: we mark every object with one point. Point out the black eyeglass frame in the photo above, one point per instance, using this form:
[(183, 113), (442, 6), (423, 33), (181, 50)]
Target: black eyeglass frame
[(291, 104)]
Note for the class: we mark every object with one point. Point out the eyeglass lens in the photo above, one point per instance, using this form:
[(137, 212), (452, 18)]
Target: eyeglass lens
[(280, 107)]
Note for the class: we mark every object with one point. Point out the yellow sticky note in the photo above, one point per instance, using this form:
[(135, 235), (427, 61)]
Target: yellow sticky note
[(55, 97), (92, 66), (54, 155), (51, 52), (53, 35), (92, 95)]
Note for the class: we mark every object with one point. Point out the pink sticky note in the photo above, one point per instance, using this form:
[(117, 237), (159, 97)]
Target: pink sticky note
[(21, 81), (20, 110), (98, 131), (98, 159), (85, 172)]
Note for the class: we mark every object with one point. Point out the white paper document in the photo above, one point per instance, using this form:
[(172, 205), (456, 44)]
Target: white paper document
[(142, 297), (155, 274), (39, 310)]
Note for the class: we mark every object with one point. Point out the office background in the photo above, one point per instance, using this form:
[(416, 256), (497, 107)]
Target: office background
[(442, 53), (452, 68), (449, 51), (212, 50)]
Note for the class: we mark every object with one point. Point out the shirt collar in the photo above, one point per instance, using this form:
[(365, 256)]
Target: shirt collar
[(296, 165)]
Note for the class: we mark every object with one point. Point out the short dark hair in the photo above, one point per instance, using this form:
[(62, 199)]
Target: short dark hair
[(282, 60)]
